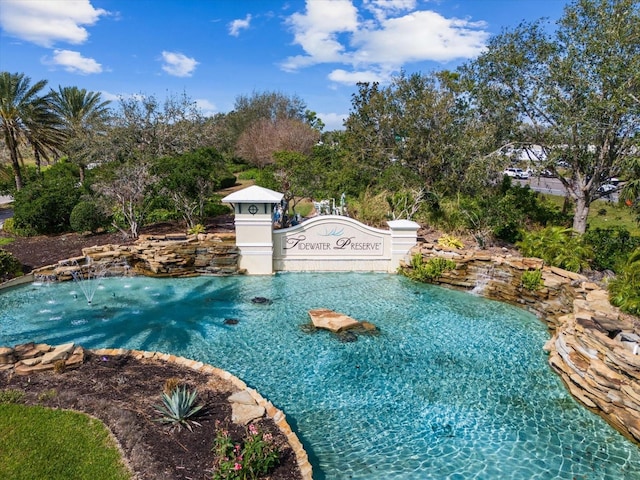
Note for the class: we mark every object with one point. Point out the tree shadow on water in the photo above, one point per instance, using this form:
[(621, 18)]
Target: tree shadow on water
[(169, 321)]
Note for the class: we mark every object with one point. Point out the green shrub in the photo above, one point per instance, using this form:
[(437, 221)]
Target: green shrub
[(426, 271), (10, 267), (557, 246), (250, 174), (446, 213), (47, 395), (197, 229), (610, 246), (227, 180), (160, 215), (508, 210), (214, 208), (86, 217), (252, 458), (532, 279), (371, 209), (10, 395), (450, 241), (44, 206), (624, 290), (9, 226), (178, 408)]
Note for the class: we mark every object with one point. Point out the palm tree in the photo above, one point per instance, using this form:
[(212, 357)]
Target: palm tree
[(83, 115), (26, 118)]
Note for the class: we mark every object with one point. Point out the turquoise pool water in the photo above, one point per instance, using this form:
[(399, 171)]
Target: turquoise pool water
[(454, 387)]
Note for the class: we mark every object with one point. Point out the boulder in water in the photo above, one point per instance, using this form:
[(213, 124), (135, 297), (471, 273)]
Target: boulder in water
[(261, 300)]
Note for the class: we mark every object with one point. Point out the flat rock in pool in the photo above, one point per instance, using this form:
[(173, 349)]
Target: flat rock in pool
[(261, 300), (231, 321)]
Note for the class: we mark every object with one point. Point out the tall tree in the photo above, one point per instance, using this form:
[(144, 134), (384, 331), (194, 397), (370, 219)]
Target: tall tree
[(263, 138), (84, 116), (421, 123), (575, 91), (260, 112), (127, 189), (26, 118), (144, 127), (190, 180)]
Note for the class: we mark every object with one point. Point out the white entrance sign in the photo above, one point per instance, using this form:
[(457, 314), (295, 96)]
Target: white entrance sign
[(325, 239), (324, 243)]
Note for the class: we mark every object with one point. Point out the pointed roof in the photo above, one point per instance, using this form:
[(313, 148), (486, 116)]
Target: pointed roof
[(254, 194)]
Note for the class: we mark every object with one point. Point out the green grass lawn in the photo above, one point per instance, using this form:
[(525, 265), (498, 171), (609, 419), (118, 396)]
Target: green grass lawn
[(606, 214), (38, 442)]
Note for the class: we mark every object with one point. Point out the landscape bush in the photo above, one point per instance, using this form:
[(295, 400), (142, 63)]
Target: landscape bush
[(10, 267), (624, 289), (450, 241), (160, 215), (44, 206), (9, 226), (532, 279), (610, 246), (86, 216), (558, 246), (426, 271), (371, 208), (252, 458)]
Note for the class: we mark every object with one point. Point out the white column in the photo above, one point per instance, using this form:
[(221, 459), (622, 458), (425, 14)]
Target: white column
[(254, 238), (404, 236)]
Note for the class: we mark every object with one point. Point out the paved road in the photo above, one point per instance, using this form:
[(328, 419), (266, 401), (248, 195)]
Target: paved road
[(553, 186), (5, 212)]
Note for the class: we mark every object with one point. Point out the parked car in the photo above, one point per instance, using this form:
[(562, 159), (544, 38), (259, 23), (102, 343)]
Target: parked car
[(546, 173), (607, 188), (516, 173)]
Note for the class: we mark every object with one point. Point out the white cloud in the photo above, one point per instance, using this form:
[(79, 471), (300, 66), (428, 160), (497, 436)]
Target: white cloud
[(383, 8), (350, 78), (74, 62), (419, 36), (206, 107), (45, 22), (371, 48), (239, 24), (178, 64), (317, 32), (333, 121), (112, 97)]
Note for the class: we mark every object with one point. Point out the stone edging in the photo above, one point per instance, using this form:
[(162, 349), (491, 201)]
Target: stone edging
[(272, 412)]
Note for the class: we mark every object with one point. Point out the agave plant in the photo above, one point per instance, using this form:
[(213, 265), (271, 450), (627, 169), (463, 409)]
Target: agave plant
[(178, 408)]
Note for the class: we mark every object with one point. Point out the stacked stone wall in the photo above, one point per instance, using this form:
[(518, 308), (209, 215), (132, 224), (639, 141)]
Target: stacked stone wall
[(155, 256), (593, 346)]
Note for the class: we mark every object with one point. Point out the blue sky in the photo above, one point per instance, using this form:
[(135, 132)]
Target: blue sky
[(216, 50)]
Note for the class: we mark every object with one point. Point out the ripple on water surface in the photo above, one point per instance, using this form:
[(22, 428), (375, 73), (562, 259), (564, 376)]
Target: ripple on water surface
[(453, 387)]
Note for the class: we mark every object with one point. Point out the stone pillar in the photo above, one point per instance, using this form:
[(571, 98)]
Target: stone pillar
[(404, 236), (254, 207)]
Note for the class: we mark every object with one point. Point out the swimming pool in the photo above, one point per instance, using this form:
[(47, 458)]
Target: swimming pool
[(454, 387)]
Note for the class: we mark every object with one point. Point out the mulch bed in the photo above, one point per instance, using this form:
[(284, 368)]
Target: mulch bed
[(122, 392), (43, 250)]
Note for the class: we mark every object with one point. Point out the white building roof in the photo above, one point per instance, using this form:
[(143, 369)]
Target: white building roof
[(254, 194)]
